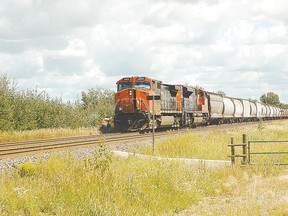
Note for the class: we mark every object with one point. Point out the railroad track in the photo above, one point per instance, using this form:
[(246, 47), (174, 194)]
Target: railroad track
[(14, 149)]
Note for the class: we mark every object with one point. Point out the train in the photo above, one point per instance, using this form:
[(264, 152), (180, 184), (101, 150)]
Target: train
[(142, 103)]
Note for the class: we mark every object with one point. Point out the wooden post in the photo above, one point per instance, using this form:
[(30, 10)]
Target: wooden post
[(244, 138), (232, 151)]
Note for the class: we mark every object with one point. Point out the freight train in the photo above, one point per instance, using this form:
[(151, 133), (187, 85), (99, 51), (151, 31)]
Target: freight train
[(140, 99)]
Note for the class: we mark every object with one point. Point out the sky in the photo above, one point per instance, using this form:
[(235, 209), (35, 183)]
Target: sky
[(65, 47)]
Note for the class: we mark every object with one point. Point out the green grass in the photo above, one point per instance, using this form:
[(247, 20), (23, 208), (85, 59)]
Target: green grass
[(68, 186), (212, 145), (105, 185)]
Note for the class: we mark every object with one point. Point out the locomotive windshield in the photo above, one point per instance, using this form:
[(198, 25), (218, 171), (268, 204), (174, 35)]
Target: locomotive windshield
[(124, 85), (143, 85)]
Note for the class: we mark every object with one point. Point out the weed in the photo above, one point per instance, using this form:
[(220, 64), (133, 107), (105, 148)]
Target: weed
[(100, 161), (105, 185), (260, 125), (27, 169)]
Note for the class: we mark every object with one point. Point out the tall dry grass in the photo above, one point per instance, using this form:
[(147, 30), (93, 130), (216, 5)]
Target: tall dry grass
[(12, 136), (213, 144), (105, 185)]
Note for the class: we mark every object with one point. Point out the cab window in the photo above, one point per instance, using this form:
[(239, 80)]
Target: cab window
[(142, 85), (124, 85)]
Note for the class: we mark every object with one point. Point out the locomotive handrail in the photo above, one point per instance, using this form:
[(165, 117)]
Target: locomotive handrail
[(145, 103)]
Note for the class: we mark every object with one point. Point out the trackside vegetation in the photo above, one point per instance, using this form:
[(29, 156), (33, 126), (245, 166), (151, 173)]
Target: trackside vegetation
[(32, 109), (212, 144), (67, 186), (105, 185)]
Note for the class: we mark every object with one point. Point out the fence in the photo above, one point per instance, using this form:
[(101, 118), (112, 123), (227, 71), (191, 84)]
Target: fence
[(247, 153), (244, 150), (269, 153)]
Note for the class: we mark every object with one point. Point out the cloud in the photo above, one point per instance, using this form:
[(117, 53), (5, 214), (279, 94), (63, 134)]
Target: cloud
[(66, 47), (46, 43), (33, 19)]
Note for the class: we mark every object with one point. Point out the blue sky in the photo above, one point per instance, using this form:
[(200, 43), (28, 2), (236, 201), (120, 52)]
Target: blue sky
[(239, 47)]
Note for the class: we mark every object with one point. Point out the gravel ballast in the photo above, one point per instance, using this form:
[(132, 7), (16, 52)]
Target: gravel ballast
[(123, 150)]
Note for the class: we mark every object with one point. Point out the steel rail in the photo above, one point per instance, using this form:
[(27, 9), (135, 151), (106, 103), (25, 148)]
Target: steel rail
[(38, 141), (41, 141), (21, 149), (11, 149)]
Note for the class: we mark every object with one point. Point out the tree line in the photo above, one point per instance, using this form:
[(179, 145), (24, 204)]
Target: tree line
[(272, 99), (30, 109), (269, 98)]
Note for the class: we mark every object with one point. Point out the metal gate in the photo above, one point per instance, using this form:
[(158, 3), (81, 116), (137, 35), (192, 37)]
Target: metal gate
[(270, 152)]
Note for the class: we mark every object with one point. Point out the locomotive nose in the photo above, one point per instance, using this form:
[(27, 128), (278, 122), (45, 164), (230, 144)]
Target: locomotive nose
[(132, 101), (125, 101)]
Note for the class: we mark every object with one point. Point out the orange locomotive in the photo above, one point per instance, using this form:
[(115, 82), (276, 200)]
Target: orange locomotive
[(179, 106)]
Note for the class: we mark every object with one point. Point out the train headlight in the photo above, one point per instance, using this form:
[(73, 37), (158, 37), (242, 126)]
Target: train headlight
[(130, 92)]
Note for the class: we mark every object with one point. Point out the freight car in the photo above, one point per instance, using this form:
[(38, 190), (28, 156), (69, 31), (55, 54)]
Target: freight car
[(180, 106)]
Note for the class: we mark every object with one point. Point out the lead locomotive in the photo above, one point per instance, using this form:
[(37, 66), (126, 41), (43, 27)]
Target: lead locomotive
[(178, 105)]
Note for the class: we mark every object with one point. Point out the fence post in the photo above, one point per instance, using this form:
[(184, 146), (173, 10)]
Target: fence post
[(244, 138), (232, 151)]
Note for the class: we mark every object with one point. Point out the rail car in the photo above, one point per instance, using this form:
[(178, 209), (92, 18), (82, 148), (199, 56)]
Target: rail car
[(181, 106)]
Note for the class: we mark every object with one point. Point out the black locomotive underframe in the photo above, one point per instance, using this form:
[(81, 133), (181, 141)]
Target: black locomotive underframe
[(141, 121), (131, 121)]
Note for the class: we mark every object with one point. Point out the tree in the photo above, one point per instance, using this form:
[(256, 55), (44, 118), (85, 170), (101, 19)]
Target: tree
[(31, 109), (7, 97), (97, 103), (284, 106), (270, 98), (222, 93), (198, 87)]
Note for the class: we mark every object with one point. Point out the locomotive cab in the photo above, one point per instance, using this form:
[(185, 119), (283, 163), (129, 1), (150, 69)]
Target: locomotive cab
[(131, 96)]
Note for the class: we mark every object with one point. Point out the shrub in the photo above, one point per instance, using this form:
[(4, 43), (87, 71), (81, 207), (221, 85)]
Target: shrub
[(27, 169), (100, 161)]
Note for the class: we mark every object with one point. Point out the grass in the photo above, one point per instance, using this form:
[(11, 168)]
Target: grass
[(13, 136), (212, 144), (105, 185)]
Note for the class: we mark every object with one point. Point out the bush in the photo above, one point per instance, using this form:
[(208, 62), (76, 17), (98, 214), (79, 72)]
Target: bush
[(100, 161), (27, 169), (33, 109)]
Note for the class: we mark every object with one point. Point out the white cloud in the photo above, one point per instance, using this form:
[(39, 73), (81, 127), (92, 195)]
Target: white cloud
[(66, 47)]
